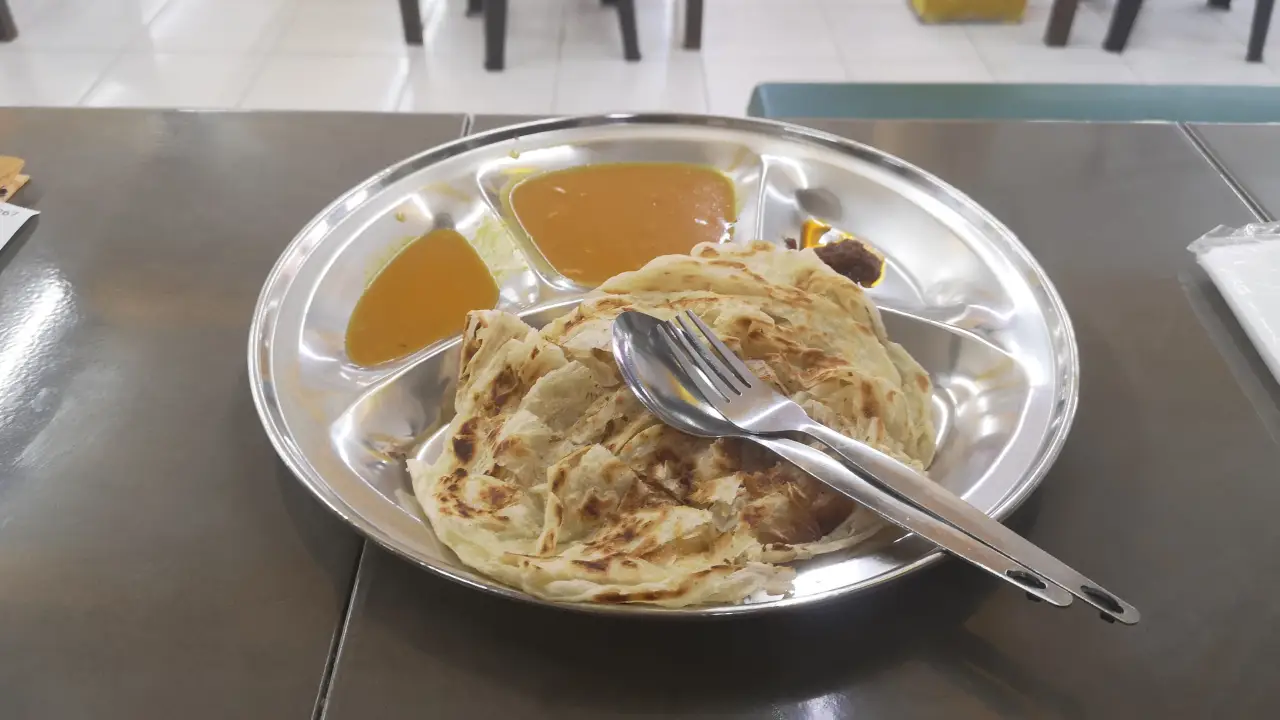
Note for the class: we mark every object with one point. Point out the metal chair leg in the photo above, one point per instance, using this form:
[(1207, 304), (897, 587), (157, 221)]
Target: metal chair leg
[(1061, 16), (495, 34), (1220, 4), (411, 16), (630, 35), (1121, 25), (1258, 31), (474, 8), (692, 24)]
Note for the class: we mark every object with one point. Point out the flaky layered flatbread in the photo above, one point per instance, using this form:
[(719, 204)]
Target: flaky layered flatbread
[(555, 480)]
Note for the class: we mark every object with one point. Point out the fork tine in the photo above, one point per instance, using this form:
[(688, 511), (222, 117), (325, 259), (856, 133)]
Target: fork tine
[(728, 356), (709, 383), (707, 358)]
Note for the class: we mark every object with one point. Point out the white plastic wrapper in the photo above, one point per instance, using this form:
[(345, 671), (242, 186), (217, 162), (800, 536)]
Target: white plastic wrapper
[(1245, 265)]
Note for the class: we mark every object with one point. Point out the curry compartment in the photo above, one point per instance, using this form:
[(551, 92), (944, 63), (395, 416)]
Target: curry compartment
[(519, 185), (420, 297), (592, 222)]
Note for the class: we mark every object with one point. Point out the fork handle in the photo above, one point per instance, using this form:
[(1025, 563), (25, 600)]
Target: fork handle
[(936, 500), (828, 470)]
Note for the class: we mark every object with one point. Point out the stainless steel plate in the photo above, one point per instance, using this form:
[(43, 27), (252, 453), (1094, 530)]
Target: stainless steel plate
[(1005, 374)]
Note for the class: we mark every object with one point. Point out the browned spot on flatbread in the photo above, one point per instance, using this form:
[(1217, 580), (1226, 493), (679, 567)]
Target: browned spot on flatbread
[(497, 497), (503, 388), (469, 350), (453, 481), (729, 264), (610, 303), (464, 443), (574, 321), (593, 507), (870, 405)]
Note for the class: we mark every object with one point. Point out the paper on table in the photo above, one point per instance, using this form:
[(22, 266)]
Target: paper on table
[(11, 218), (1245, 265)]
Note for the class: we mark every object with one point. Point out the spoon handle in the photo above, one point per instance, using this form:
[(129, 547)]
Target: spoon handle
[(917, 489), (908, 517)]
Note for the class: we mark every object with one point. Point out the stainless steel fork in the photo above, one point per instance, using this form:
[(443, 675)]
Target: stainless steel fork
[(752, 405)]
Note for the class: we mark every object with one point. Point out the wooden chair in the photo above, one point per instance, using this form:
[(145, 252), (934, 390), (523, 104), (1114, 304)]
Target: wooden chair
[(1127, 13), (1063, 12)]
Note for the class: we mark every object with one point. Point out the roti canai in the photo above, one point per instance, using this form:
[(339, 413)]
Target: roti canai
[(554, 479)]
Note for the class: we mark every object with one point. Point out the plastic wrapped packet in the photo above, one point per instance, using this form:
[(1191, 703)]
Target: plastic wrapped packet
[(1245, 265)]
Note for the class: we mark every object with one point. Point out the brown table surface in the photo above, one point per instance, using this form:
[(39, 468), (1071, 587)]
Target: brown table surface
[(156, 560), (1250, 155)]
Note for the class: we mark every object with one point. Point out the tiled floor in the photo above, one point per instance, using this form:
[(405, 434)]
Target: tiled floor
[(565, 56)]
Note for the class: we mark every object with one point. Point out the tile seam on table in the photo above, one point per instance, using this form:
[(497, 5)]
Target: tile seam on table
[(1202, 146), (339, 637)]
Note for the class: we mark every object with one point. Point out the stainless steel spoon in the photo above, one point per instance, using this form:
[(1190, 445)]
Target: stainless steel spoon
[(652, 374)]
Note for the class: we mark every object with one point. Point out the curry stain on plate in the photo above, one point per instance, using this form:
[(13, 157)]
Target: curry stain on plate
[(422, 295), (595, 221)]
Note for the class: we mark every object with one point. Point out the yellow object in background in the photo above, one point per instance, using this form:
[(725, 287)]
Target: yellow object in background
[(937, 11), (11, 177)]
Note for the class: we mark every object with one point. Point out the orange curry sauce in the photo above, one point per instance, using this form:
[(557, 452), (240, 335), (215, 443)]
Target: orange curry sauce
[(421, 296), (595, 221)]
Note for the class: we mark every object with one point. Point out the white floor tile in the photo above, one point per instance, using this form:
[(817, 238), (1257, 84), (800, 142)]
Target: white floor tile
[(215, 26), (526, 87), (186, 81), (1209, 65), (1030, 64), (1087, 30), (887, 43), (1239, 20), (592, 31), (730, 80), (343, 27), (1181, 25), (767, 29), (328, 82), (673, 84), (867, 32), (86, 25), (912, 71), (565, 55), (48, 78)]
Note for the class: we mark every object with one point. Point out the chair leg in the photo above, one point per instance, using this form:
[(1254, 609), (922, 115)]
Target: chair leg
[(630, 36), (474, 8), (1220, 4), (411, 15), (8, 26), (1121, 25), (495, 34), (1061, 16), (1258, 31), (692, 24)]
